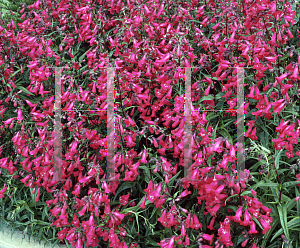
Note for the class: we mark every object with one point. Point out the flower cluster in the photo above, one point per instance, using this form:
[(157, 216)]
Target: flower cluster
[(149, 44)]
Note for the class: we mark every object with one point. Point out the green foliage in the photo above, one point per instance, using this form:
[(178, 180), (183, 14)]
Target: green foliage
[(7, 7), (22, 212)]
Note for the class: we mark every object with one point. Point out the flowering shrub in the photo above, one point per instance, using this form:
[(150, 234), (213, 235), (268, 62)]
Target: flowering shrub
[(150, 44)]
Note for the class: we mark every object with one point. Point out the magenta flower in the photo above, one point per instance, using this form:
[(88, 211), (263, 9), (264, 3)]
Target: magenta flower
[(208, 237), (144, 156), (237, 217), (142, 205)]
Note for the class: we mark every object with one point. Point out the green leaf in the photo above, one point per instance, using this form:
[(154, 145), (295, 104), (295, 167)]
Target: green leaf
[(282, 170), (15, 73), (111, 52), (233, 208), (83, 55), (289, 184), (225, 134), (295, 222), (220, 95), (230, 197), (147, 171), (258, 223), (171, 181), (282, 210), (241, 239), (24, 90), (125, 109), (131, 209), (298, 202), (214, 132), (205, 98), (27, 207), (40, 234), (263, 184), (291, 204), (213, 78), (124, 186), (211, 116), (42, 223), (269, 232), (159, 176), (278, 155), (248, 192), (285, 198), (155, 211)]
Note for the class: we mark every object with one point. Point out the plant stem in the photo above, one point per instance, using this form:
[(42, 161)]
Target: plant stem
[(278, 177)]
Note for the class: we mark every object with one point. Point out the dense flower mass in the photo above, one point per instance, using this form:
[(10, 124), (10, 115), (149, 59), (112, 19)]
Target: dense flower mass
[(152, 45)]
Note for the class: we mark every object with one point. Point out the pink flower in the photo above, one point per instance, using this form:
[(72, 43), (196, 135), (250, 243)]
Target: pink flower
[(187, 241), (8, 121), (142, 205), (76, 191), (295, 74), (124, 199), (142, 61), (55, 211), (196, 225), (82, 211), (208, 237), (279, 108), (79, 243), (185, 193), (244, 243), (73, 147), (143, 160), (265, 224), (182, 231), (281, 78), (62, 234), (38, 195), (237, 217), (252, 228), (253, 134), (71, 235), (3, 191), (91, 233), (129, 122), (167, 243), (178, 53), (271, 59), (25, 152), (231, 40), (132, 58), (211, 224), (247, 218), (251, 95), (129, 142), (20, 117), (85, 179)]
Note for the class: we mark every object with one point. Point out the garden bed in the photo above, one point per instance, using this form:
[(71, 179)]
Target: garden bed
[(10, 238)]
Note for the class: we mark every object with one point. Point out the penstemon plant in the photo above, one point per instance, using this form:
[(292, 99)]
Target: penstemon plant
[(149, 201)]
